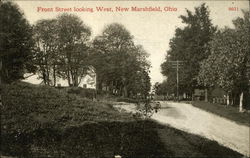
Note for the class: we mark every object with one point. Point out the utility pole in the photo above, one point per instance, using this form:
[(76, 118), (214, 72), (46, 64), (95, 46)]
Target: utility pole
[(176, 64), (177, 79)]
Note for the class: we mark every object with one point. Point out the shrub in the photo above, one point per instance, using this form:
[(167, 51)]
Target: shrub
[(83, 92), (130, 100)]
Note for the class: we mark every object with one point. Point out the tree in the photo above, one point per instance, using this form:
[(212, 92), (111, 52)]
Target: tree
[(165, 88), (227, 64), (138, 73), (119, 62), (62, 46), (113, 46), (73, 42), (189, 45), (15, 43), (46, 56)]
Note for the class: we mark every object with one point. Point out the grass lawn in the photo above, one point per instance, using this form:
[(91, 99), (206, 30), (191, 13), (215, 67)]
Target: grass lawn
[(229, 112), (29, 107), (41, 121)]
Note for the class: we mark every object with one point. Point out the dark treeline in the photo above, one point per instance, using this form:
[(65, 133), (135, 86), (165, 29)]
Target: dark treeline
[(62, 48)]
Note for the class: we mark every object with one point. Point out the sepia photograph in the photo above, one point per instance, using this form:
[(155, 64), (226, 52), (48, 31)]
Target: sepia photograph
[(125, 79)]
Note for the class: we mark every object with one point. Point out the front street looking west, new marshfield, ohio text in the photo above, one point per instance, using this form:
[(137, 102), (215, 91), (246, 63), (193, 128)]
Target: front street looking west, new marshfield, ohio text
[(109, 9)]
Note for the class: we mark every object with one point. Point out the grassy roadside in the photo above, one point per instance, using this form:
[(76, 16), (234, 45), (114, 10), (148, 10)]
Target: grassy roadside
[(29, 107), (229, 112), (184, 144)]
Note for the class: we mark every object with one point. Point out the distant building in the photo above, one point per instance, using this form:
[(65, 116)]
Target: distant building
[(199, 94), (215, 95), (88, 81)]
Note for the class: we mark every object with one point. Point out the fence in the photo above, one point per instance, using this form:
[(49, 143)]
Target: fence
[(219, 100)]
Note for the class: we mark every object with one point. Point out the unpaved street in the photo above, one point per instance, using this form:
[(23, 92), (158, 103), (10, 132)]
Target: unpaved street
[(193, 120)]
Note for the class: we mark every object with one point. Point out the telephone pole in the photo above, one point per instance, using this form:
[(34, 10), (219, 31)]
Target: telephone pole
[(176, 65), (177, 79)]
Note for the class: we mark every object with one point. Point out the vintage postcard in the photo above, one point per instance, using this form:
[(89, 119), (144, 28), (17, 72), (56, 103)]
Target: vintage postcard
[(125, 79)]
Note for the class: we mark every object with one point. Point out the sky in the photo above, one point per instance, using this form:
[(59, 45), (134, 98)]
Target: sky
[(153, 30)]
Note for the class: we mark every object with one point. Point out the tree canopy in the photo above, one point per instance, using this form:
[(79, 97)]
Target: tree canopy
[(62, 46), (64, 50), (227, 66), (120, 64), (15, 43), (189, 45)]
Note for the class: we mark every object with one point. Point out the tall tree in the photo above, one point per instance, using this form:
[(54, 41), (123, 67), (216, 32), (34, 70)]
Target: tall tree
[(46, 56), (189, 45), (15, 43), (73, 38), (117, 60), (62, 46), (138, 72), (162, 88), (227, 65)]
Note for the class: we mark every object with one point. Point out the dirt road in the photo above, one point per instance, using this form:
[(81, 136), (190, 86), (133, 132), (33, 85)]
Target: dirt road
[(193, 120)]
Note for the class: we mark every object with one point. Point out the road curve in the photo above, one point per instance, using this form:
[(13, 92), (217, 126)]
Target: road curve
[(194, 120)]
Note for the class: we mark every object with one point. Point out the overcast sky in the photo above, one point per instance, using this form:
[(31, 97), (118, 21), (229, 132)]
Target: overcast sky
[(153, 30)]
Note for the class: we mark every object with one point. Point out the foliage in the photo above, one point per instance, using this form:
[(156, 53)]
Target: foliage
[(62, 48), (120, 64), (46, 56), (82, 92), (227, 64), (189, 45), (74, 38), (145, 108), (165, 88), (15, 43), (128, 100)]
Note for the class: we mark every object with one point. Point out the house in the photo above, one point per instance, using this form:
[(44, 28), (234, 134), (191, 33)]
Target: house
[(87, 81), (215, 95)]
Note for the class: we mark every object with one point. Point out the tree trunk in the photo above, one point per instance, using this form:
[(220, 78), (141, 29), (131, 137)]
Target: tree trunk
[(76, 79), (1, 74), (47, 71), (228, 101), (99, 85), (206, 95), (120, 91), (44, 77), (125, 91), (241, 102), (96, 85), (54, 74), (72, 78), (68, 77)]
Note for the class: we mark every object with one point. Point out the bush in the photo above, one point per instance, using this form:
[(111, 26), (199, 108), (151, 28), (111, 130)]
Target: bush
[(130, 100), (83, 92)]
